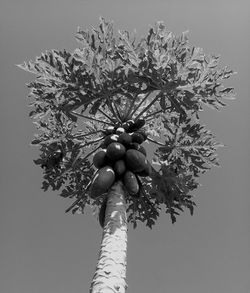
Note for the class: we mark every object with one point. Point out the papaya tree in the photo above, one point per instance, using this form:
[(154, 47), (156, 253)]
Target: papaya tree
[(102, 107)]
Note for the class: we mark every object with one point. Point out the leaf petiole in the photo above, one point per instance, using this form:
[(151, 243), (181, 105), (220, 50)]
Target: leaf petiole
[(90, 118), (139, 105), (148, 106), (156, 142)]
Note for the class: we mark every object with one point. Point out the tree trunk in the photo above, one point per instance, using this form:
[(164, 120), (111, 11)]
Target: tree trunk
[(110, 274)]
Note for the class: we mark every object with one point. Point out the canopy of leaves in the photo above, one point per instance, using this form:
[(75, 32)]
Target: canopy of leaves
[(110, 79)]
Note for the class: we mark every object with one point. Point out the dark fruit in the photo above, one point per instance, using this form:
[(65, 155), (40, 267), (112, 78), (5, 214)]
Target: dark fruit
[(120, 130), (135, 160), (119, 167), (102, 212), (109, 130), (127, 125), (137, 137), (109, 139), (125, 139), (103, 180), (143, 133), (136, 146), (131, 183), (142, 150), (140, 122), (137, 125), (147, 171), (115, 151), (100, 159)]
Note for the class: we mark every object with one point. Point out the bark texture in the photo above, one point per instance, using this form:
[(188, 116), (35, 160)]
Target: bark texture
[(110, 274)]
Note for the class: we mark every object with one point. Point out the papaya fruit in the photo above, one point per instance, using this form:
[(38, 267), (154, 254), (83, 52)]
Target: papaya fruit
[(109, 130), (102, 181), (137, 137), (120, 130), (143, 133), (102, 211), (125, 139), (139, 123), (131, 183), (134, 146), (147, 171), (135, 160), (119, 167), (142, 150), (109, 139), (100, 159), (115, 151), (127, 125), (138, 147)]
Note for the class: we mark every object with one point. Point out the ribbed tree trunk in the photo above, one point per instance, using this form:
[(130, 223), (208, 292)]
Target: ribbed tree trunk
[(110, 274)]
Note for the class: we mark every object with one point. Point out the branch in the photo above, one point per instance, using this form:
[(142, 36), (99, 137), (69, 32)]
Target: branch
[(152, 114), (118, 113), (111, 108), (86, 134), (106, 115), (130, 107), (156, 142), (91, 118), (148, 106), (91, 142), (139, 105)]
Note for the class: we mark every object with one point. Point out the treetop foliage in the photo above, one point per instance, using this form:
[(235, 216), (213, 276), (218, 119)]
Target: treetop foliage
[(110, 79)]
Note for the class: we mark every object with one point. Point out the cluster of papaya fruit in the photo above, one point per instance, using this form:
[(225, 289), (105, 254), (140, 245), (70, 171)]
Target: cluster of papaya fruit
[(122, 157)]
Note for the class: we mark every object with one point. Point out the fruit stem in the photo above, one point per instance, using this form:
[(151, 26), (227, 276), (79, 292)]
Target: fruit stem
[(91, 118)]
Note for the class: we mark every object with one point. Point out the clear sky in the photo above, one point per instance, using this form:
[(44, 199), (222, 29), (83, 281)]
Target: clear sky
[(44, 250)]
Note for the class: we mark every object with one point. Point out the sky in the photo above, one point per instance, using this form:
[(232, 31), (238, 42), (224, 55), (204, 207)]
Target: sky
[(44, 250)]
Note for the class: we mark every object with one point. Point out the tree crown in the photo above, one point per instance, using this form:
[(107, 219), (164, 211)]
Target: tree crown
[(111, 79)]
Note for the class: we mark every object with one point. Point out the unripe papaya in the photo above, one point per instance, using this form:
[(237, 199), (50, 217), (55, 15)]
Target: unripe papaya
[(120, 130), (142, 150), (102, 212), (127, 125), (143, 133), (119, 167), (125, 139), (109, 130), (135, 160), (109, 139), (147, 171), (100, 159), (137, 137), (131, 183), (140, 122), (103, 180), (115, 151), (138, 147)]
